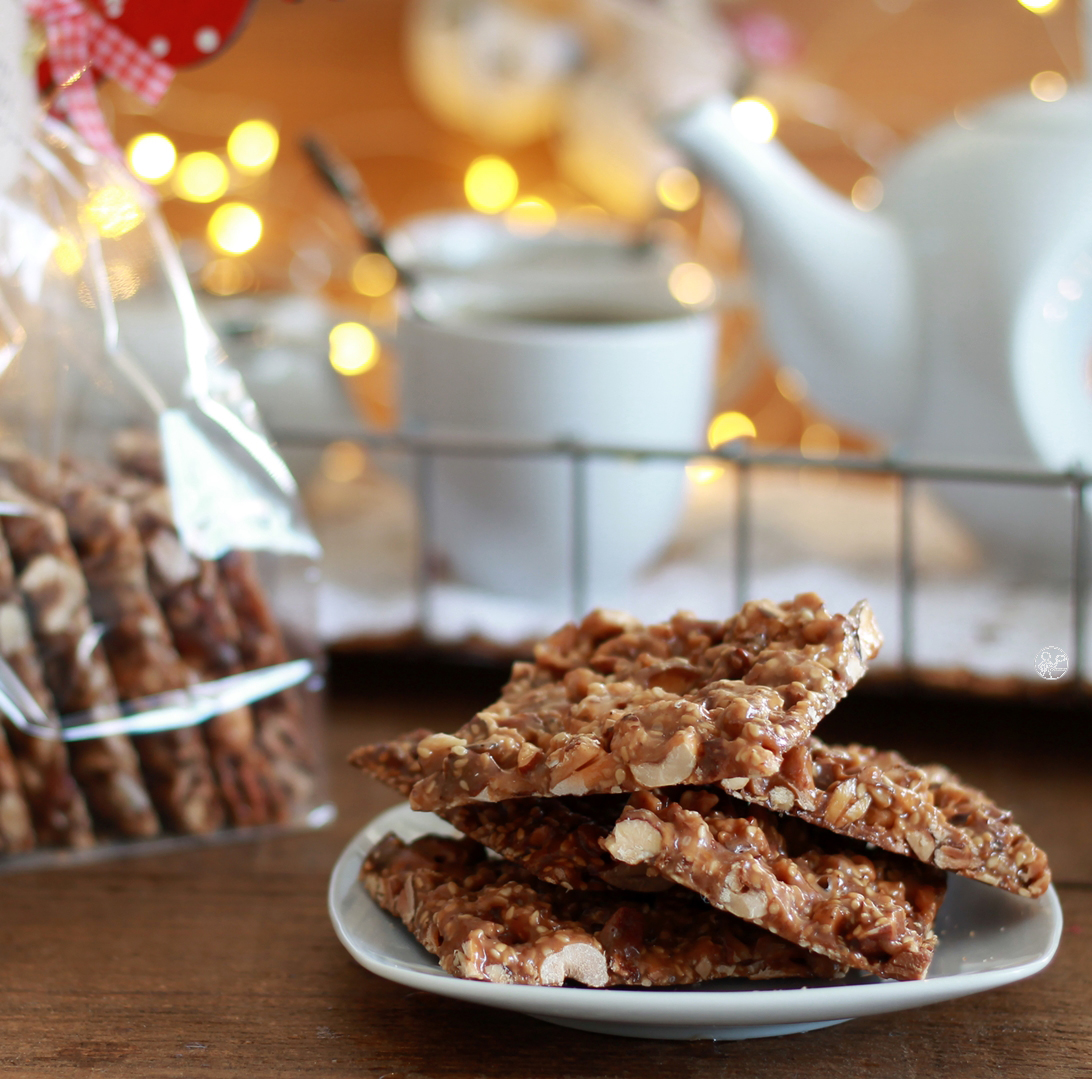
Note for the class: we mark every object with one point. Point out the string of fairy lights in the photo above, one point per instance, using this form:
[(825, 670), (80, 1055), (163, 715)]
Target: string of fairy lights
[(234, 228)]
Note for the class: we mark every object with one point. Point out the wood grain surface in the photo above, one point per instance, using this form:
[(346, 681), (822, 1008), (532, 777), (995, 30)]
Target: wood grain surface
[(222, 961)]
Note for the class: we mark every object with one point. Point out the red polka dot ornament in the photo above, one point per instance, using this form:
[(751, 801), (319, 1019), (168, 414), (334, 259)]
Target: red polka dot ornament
[(179, 33), (138, 43)]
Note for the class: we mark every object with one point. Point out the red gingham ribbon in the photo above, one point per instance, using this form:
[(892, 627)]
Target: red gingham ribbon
[(78, 39)]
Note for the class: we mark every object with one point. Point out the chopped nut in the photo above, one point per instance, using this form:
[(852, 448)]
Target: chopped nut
[(781, 799), (750, 906), (438, 743), (858, 809), (841, 798), (582, 962), (922, 844), (676, 767), (528, 755), (14, 629), (56, 589), (634, 841)]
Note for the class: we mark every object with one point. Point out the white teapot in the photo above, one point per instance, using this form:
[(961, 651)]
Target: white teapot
[(956, 320)]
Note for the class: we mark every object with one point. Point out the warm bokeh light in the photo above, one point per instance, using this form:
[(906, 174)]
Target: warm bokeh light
[(702, 471), (343, 462), (200, 177), (373, 275), (227, 276), (68, 253), (490, 184), (820, 442), (235, 228), (152, 157), (531, 216), (867, 193), (353, 348), (1049, 86), (112, 211), (755, 119), (791, 384), (729, 426), (252, 146), (1040, 7), (692, 284), (678, 188)]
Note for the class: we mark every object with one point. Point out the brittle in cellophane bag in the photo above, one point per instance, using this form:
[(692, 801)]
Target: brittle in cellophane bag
[(158, 670)]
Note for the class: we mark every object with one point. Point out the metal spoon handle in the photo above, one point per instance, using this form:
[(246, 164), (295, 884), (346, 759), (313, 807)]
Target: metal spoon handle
[(343, 179)]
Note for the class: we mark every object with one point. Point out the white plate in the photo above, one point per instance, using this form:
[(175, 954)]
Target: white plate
[(988, 938)]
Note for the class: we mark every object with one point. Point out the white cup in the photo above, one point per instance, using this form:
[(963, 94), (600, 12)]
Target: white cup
[(588, 361)]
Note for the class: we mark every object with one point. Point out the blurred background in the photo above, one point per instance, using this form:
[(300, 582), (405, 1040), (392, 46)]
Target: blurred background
[(391, 83), (493, 106)]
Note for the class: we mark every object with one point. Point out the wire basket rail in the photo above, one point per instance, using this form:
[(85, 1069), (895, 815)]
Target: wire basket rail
[(424, 451)]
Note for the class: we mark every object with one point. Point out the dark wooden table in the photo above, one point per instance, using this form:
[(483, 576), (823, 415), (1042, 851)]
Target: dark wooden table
[(222, 961)]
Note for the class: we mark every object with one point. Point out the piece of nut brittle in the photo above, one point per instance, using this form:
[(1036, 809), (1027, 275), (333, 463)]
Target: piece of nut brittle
[(558, 840), (56, 803), (490, 920), (207, 635), (612, 705), (280, 726), (865, 909), (139, 649), (872, 911), (52, 584), (923, 812)]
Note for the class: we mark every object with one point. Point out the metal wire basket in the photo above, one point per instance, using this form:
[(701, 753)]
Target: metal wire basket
[(424, 453)]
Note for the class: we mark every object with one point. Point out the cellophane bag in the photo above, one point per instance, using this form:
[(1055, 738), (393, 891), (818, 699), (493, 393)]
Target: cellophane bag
[(159, 676)]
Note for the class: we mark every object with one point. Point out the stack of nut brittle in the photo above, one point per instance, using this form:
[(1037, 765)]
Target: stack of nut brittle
[(659, 812), (101, 604)]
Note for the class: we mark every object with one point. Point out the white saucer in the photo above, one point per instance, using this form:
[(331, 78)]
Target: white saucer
[(988, 938)]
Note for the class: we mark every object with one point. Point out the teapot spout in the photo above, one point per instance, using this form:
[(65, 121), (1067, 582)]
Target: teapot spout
[(834, 283)]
